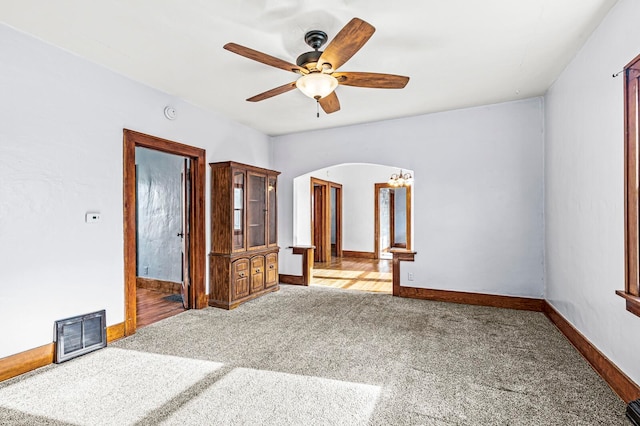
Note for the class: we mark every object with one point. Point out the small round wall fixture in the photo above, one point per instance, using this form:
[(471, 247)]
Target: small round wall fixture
[(170, 113)]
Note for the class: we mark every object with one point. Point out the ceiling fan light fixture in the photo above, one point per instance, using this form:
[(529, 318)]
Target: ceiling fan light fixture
[(317, 85)]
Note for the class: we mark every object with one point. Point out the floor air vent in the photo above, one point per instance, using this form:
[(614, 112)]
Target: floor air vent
[(633, 412), (80, 335)]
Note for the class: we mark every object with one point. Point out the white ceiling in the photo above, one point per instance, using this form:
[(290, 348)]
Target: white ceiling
[(458, 53)]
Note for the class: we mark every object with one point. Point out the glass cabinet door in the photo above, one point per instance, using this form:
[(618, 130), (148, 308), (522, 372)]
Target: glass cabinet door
[(238, 210), (272, 211), (257, 210)]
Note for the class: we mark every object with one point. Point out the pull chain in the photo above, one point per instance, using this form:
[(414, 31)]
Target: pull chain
[(317, 108)]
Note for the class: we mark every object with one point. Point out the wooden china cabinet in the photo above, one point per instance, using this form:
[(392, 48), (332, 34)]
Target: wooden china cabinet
[(243, 263)]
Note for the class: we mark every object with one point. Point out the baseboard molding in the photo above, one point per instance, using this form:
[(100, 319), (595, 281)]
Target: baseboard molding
[(358, 254), (23, 362), (619, 382), (622, 385), (115, 332), (291, 279), (509, 302), (159, 285)]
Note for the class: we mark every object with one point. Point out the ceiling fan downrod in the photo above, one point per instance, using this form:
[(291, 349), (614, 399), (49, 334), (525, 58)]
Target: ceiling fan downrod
[(315, 39)]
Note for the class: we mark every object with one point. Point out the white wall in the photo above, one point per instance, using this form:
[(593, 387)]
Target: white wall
[(584, 198), (61, 156), (478, 197)]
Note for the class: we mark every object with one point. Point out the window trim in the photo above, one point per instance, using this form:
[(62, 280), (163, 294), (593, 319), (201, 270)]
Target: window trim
[(631, 173)]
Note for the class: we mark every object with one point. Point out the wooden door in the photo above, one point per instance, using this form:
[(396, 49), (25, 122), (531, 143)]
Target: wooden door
[(187, 212), (318, 220), (321, 220), (240, 279), (257, 274)]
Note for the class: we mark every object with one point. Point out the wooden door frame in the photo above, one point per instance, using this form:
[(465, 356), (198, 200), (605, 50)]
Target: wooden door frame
[(376, 215), (338, 208), (131, 140), (322, 250), (326, 225)]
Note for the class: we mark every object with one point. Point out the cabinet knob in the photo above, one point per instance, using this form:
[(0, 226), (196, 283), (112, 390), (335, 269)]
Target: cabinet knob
[(270, 266), (241, 274), (258, 270)]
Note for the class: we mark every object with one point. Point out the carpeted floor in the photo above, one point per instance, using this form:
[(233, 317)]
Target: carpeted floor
[(318, 356)]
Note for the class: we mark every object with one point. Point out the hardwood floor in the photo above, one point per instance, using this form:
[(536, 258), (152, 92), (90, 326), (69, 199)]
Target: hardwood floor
[(152, 306), (355, 274)]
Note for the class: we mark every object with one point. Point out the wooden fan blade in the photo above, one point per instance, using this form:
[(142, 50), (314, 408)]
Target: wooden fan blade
[(330, 103), (371, 79), (273, 92), (264, 58), (346, 43)]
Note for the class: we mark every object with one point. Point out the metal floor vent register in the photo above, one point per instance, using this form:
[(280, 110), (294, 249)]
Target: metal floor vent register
[(80, 335), (633, 412)]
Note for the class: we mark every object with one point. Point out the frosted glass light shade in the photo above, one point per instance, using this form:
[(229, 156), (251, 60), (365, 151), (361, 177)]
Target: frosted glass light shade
[(317, 85)]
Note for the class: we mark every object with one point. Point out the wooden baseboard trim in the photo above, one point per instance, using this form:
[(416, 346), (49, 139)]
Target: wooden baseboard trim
[(622, 385), (159, 285), (291, 279), (115, 332), (23, 362), (509, 302), (358, 254)]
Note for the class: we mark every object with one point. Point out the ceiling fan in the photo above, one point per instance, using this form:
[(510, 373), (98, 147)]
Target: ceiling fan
[(318, 69)]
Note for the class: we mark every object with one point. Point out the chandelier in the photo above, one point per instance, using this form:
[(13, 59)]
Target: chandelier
[(400, 179)]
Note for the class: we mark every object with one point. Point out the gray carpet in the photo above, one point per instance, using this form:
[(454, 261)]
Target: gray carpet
[(318, 356)]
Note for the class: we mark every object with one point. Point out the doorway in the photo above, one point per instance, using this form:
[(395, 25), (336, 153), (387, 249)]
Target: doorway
[(358, 267), (392, 218), (326, 219), (330, 268), (192, 240), (163, 203)]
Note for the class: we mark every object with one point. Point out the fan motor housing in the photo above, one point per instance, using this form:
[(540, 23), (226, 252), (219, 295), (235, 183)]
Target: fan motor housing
[(309, 59)]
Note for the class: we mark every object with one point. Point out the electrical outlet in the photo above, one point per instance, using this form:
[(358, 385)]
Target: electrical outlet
[(410, 276)]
